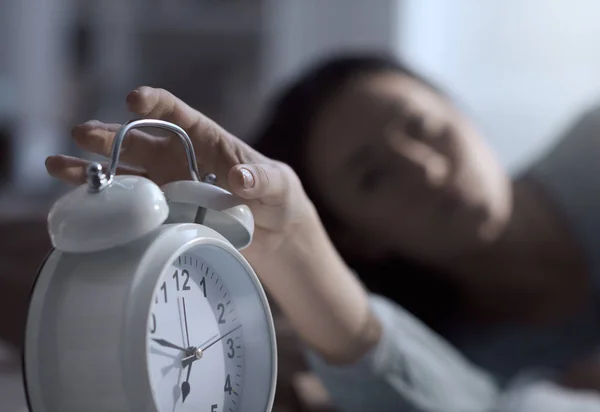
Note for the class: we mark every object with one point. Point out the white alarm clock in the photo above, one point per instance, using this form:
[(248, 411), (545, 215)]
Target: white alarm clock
[(145, 303)]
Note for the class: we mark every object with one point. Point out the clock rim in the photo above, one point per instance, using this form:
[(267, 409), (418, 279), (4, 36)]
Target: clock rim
[(24, 351)]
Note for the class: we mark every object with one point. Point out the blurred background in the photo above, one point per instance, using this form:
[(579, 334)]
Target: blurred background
[(522, 68)]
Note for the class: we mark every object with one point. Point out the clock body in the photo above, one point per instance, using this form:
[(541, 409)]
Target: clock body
[(175, 320)]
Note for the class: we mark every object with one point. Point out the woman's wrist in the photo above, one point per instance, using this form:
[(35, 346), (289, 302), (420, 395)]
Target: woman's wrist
[(325, 302), (367, 339)]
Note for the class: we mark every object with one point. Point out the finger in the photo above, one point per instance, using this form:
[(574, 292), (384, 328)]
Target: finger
[(160, 104), (269, 182), (73, 169), (138, 148), (216, 150)]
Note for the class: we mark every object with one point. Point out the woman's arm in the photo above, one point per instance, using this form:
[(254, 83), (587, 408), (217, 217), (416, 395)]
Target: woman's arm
[(411, 367), (325, 303), (533, 392), (369, 352)]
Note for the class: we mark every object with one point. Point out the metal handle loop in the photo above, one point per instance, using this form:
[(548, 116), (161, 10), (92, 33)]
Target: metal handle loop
[(97, 180), (159, 124)]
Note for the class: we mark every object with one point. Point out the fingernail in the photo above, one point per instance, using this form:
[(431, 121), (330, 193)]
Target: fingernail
[(132, 94), (248, 178)]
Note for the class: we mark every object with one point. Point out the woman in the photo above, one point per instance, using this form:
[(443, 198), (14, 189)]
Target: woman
[(463, 238), (430, 190), (407, 188)]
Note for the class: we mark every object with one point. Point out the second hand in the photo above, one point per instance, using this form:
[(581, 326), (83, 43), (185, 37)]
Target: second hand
[(222, 337), (200, 351)]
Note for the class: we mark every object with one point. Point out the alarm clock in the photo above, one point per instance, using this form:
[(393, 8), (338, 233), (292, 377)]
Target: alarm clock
[(145, 302)]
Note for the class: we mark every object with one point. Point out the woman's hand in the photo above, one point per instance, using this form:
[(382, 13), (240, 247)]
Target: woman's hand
[(270, 188), (290, 250)]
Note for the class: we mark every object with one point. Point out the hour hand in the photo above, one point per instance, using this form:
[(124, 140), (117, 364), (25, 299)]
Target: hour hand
[(185, 386), (168, 344)]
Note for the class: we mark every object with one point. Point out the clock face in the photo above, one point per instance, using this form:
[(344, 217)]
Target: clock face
[(195, 346)]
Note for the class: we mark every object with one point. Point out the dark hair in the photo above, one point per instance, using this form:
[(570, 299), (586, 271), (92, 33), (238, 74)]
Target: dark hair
[(283, 137)]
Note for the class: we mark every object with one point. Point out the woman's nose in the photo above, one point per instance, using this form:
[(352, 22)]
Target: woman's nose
[(421, 156)]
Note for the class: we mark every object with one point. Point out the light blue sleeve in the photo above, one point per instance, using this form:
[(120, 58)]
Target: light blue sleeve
[(410, 369), (537, 392)]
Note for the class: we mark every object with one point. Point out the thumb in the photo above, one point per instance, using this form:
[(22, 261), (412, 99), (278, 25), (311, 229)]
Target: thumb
[(267, 182)]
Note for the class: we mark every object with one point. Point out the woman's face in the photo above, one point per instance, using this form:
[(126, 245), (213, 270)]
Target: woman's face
[(405, 172)]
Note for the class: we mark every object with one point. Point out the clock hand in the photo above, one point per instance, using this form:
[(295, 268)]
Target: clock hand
[(221, 337), (200, 351), (168, 344), (195, 353), (181, 321), (185, 386), (187, 334), (208, 340)]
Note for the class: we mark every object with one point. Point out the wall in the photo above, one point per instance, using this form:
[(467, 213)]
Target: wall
[(299, 32), (523, 68), (36, 64)]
